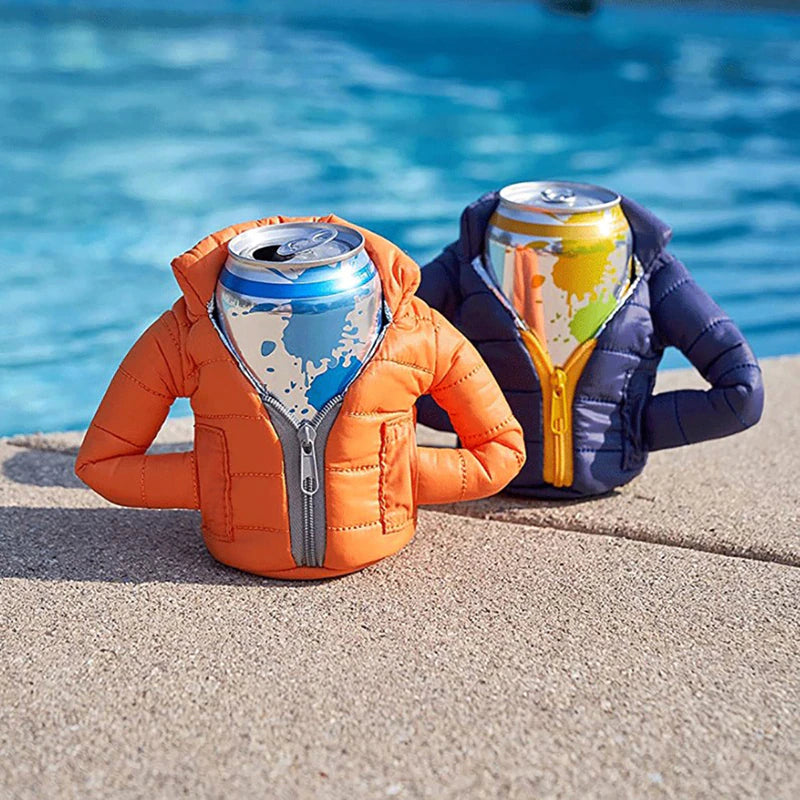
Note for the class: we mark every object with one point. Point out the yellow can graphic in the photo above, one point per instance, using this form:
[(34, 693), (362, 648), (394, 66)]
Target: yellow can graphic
[(561, 253)]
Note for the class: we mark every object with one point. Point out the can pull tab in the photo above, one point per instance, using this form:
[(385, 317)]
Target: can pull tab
[(288, 250), (309, 476), (559, 194), (295, 246)]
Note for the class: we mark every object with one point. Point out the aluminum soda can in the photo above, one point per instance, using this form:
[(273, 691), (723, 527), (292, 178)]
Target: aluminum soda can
[(301, 304), (562, 254)]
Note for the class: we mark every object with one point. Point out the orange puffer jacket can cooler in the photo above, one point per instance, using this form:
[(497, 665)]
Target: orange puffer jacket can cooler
[(374, 474)]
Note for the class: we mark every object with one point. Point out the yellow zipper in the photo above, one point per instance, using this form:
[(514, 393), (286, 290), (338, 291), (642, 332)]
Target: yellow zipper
[(558, 390)]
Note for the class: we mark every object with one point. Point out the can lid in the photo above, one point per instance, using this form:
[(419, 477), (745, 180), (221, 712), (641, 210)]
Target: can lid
[(296, 245), (555, 196)]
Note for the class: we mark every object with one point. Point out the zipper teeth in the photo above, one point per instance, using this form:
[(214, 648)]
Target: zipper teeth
[(557, 424), (560, 458), (309, 551)]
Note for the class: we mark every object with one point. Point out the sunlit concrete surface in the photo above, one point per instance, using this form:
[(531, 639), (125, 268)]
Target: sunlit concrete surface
[(640, 645)]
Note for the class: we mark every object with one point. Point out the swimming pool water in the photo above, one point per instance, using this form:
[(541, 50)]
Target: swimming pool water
[(129, 134)]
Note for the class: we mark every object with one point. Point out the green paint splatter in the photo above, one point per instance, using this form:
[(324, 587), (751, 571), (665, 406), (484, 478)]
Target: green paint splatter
[(588, 319)]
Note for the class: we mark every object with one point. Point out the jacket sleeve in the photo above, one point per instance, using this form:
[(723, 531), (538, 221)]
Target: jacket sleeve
[(439, 283), (493, 450), (687, 318), (439, 288), (112, 459)]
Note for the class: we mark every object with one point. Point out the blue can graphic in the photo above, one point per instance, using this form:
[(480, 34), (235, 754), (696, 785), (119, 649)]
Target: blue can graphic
[(301, 305)]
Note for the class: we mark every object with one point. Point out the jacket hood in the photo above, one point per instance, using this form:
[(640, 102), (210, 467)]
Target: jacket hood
[(650, 234), (197, 269)]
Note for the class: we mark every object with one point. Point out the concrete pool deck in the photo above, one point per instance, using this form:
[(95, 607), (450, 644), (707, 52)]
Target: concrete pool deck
[(644, 644)]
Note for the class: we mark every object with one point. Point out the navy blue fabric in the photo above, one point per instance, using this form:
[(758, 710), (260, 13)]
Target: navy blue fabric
[(616, 418)]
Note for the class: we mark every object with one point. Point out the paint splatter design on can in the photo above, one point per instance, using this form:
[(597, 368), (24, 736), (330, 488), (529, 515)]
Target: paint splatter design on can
[(561, 253), (303, 325)]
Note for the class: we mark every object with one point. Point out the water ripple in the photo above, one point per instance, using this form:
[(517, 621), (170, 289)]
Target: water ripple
[(135, 131)]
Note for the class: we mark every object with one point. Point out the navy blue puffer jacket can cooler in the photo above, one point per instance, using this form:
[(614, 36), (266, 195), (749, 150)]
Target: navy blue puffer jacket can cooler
[(615, 419)]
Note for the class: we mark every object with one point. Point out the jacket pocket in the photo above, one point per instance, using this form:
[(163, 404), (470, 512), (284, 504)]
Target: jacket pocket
[(398, 473), (214, 481), (637, 393)]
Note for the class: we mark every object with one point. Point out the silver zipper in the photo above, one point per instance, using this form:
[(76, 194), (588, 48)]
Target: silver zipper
[(309, 484), (306, 435), (309, 477)]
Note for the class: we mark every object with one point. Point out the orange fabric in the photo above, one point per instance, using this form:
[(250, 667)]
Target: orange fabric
[(375, 474)]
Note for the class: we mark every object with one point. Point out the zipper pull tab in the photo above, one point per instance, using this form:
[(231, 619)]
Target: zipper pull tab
[(558, 401), (309, 477)]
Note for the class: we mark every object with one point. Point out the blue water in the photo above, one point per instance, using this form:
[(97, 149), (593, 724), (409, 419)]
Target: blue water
[(129, 134)]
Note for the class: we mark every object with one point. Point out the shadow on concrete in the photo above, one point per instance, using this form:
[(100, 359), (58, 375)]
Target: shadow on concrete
[(38, 468), (118, 545), (500, 506)]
